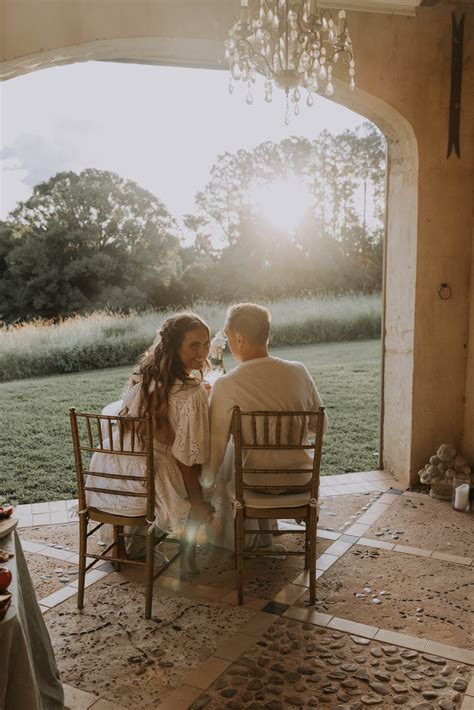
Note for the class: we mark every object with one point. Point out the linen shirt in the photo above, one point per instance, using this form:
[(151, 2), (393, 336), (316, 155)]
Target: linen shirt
[(270, 384)]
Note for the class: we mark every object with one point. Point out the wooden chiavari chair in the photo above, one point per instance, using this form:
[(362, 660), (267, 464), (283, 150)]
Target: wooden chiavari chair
[(277, 431), (94, 433)]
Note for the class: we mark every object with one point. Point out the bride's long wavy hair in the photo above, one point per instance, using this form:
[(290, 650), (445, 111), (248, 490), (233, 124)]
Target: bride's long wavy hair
[(161, 365)]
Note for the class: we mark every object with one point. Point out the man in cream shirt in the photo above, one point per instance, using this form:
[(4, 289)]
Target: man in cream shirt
[(259, 382)]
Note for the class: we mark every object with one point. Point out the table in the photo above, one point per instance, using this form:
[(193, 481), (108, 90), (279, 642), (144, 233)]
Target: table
[(29, 677)]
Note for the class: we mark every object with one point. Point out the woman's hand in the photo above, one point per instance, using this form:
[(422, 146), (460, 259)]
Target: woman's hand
[(202, 512)]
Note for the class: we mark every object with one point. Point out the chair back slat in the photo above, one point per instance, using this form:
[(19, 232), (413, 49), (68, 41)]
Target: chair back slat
[(272, 432), (117, 436)]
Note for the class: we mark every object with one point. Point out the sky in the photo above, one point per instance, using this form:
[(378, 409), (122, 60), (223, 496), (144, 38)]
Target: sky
[(162, 127)]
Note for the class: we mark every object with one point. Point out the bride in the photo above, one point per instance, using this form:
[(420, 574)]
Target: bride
[(163, 385)]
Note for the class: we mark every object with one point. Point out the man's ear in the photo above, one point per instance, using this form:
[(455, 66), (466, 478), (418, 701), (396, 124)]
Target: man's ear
[(240, 340)]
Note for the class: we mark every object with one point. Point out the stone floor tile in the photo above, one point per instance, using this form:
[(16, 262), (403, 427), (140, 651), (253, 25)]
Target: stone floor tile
[(454, 653), (204, 675), (379, 544), (397, 639), (103, 704), (56, 553), (25, 521), (327, 534), (75, 699), (59, 596), (91, 577), (325, 561), (57, 505), (387, 498), (29, 546), (303, 578), (23, 509), (233, 647), (257, 624), (249, 601), (41, 518), (180, 699), (308, 615), (58, 517), (40, 508), (275, 608), (452, 558), (470, 687), (408, 550), (290, 593), (368, 518), (339, 548), (467, 703), (357, 529), (352, 627)]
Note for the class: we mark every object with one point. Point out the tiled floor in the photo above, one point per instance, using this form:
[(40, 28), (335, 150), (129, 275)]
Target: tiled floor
[(199, 661)]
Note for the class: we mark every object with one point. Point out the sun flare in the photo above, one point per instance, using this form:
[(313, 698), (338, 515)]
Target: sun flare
[(282, 203)]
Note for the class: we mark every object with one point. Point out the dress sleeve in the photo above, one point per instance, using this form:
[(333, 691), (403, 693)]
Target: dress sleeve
[(191, 440)]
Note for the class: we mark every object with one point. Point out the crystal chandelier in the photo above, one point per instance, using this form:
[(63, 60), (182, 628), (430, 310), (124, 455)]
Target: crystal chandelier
[(292, 45)]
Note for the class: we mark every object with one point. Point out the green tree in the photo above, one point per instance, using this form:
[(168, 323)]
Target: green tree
[(85, 241)]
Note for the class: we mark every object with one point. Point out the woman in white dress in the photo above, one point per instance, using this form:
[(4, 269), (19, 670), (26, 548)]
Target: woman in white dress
[(162, 384)]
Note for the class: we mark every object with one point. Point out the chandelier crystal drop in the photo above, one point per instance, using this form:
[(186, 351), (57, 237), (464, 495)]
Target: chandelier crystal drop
[(293, 45)]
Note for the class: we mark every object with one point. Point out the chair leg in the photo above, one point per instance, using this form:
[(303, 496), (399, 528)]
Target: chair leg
[(312, 556), (306, 545), (239, 555), (116, 547), (82, 560), (150, 568)]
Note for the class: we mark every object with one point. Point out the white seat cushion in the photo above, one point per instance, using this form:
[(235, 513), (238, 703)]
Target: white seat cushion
[(127, 512), (256, 499)]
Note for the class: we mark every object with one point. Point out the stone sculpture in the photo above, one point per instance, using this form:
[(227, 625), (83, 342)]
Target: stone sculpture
[(441, 469)]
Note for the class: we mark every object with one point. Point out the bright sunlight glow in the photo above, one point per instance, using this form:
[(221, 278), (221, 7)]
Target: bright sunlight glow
[(282, 203)]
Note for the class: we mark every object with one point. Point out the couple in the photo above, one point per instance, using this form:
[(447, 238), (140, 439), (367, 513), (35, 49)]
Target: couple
[(192, 449)]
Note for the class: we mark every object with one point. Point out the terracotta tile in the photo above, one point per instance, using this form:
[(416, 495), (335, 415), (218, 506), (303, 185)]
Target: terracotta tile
[(41, 519), (76, 699), (290, 594), (338, 548), (308, 615), (60, 596), (352, 627), (453, 653), (393, 637), (181, 698), (205, 674), (379, 544), (233, 647), (357, 529), (419, 551), (258, 624), (467, 703), (451, 558)]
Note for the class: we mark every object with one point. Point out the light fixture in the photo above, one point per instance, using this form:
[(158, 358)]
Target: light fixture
[(292, 45)]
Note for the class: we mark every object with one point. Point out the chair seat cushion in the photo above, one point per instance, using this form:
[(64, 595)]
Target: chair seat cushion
[(125, 512), (257, 499)]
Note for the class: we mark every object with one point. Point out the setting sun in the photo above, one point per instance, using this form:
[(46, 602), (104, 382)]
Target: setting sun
[(283, 203)]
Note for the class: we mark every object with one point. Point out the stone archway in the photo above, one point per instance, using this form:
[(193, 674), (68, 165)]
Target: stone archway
[(400, 243)]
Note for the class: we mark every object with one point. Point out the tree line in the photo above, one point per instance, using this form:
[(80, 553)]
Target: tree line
[(94, 240)]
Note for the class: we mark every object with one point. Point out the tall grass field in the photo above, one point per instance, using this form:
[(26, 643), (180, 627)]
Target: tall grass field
[(36, 456), (104, 340)]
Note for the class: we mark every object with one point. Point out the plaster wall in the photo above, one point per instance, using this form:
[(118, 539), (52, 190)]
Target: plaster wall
[(403, 80)]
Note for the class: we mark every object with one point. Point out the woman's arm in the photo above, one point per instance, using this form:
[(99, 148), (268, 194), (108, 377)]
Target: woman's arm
[(200, 510)]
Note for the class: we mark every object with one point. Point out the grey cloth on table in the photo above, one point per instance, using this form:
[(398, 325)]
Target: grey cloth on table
[(29, 677)]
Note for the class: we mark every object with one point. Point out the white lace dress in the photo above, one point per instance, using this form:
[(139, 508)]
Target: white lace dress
[(188, 414)]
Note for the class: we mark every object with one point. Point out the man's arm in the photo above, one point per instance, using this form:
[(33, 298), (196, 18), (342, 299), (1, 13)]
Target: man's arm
[(316, 402), (220, 418)]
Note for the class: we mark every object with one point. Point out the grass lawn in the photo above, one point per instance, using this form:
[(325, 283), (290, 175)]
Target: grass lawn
[(36, 451)]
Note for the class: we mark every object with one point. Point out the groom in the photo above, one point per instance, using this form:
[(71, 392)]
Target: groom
[(259, 382)]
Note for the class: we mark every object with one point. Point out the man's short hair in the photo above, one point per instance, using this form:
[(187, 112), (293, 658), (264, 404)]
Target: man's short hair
[(250, 320)]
